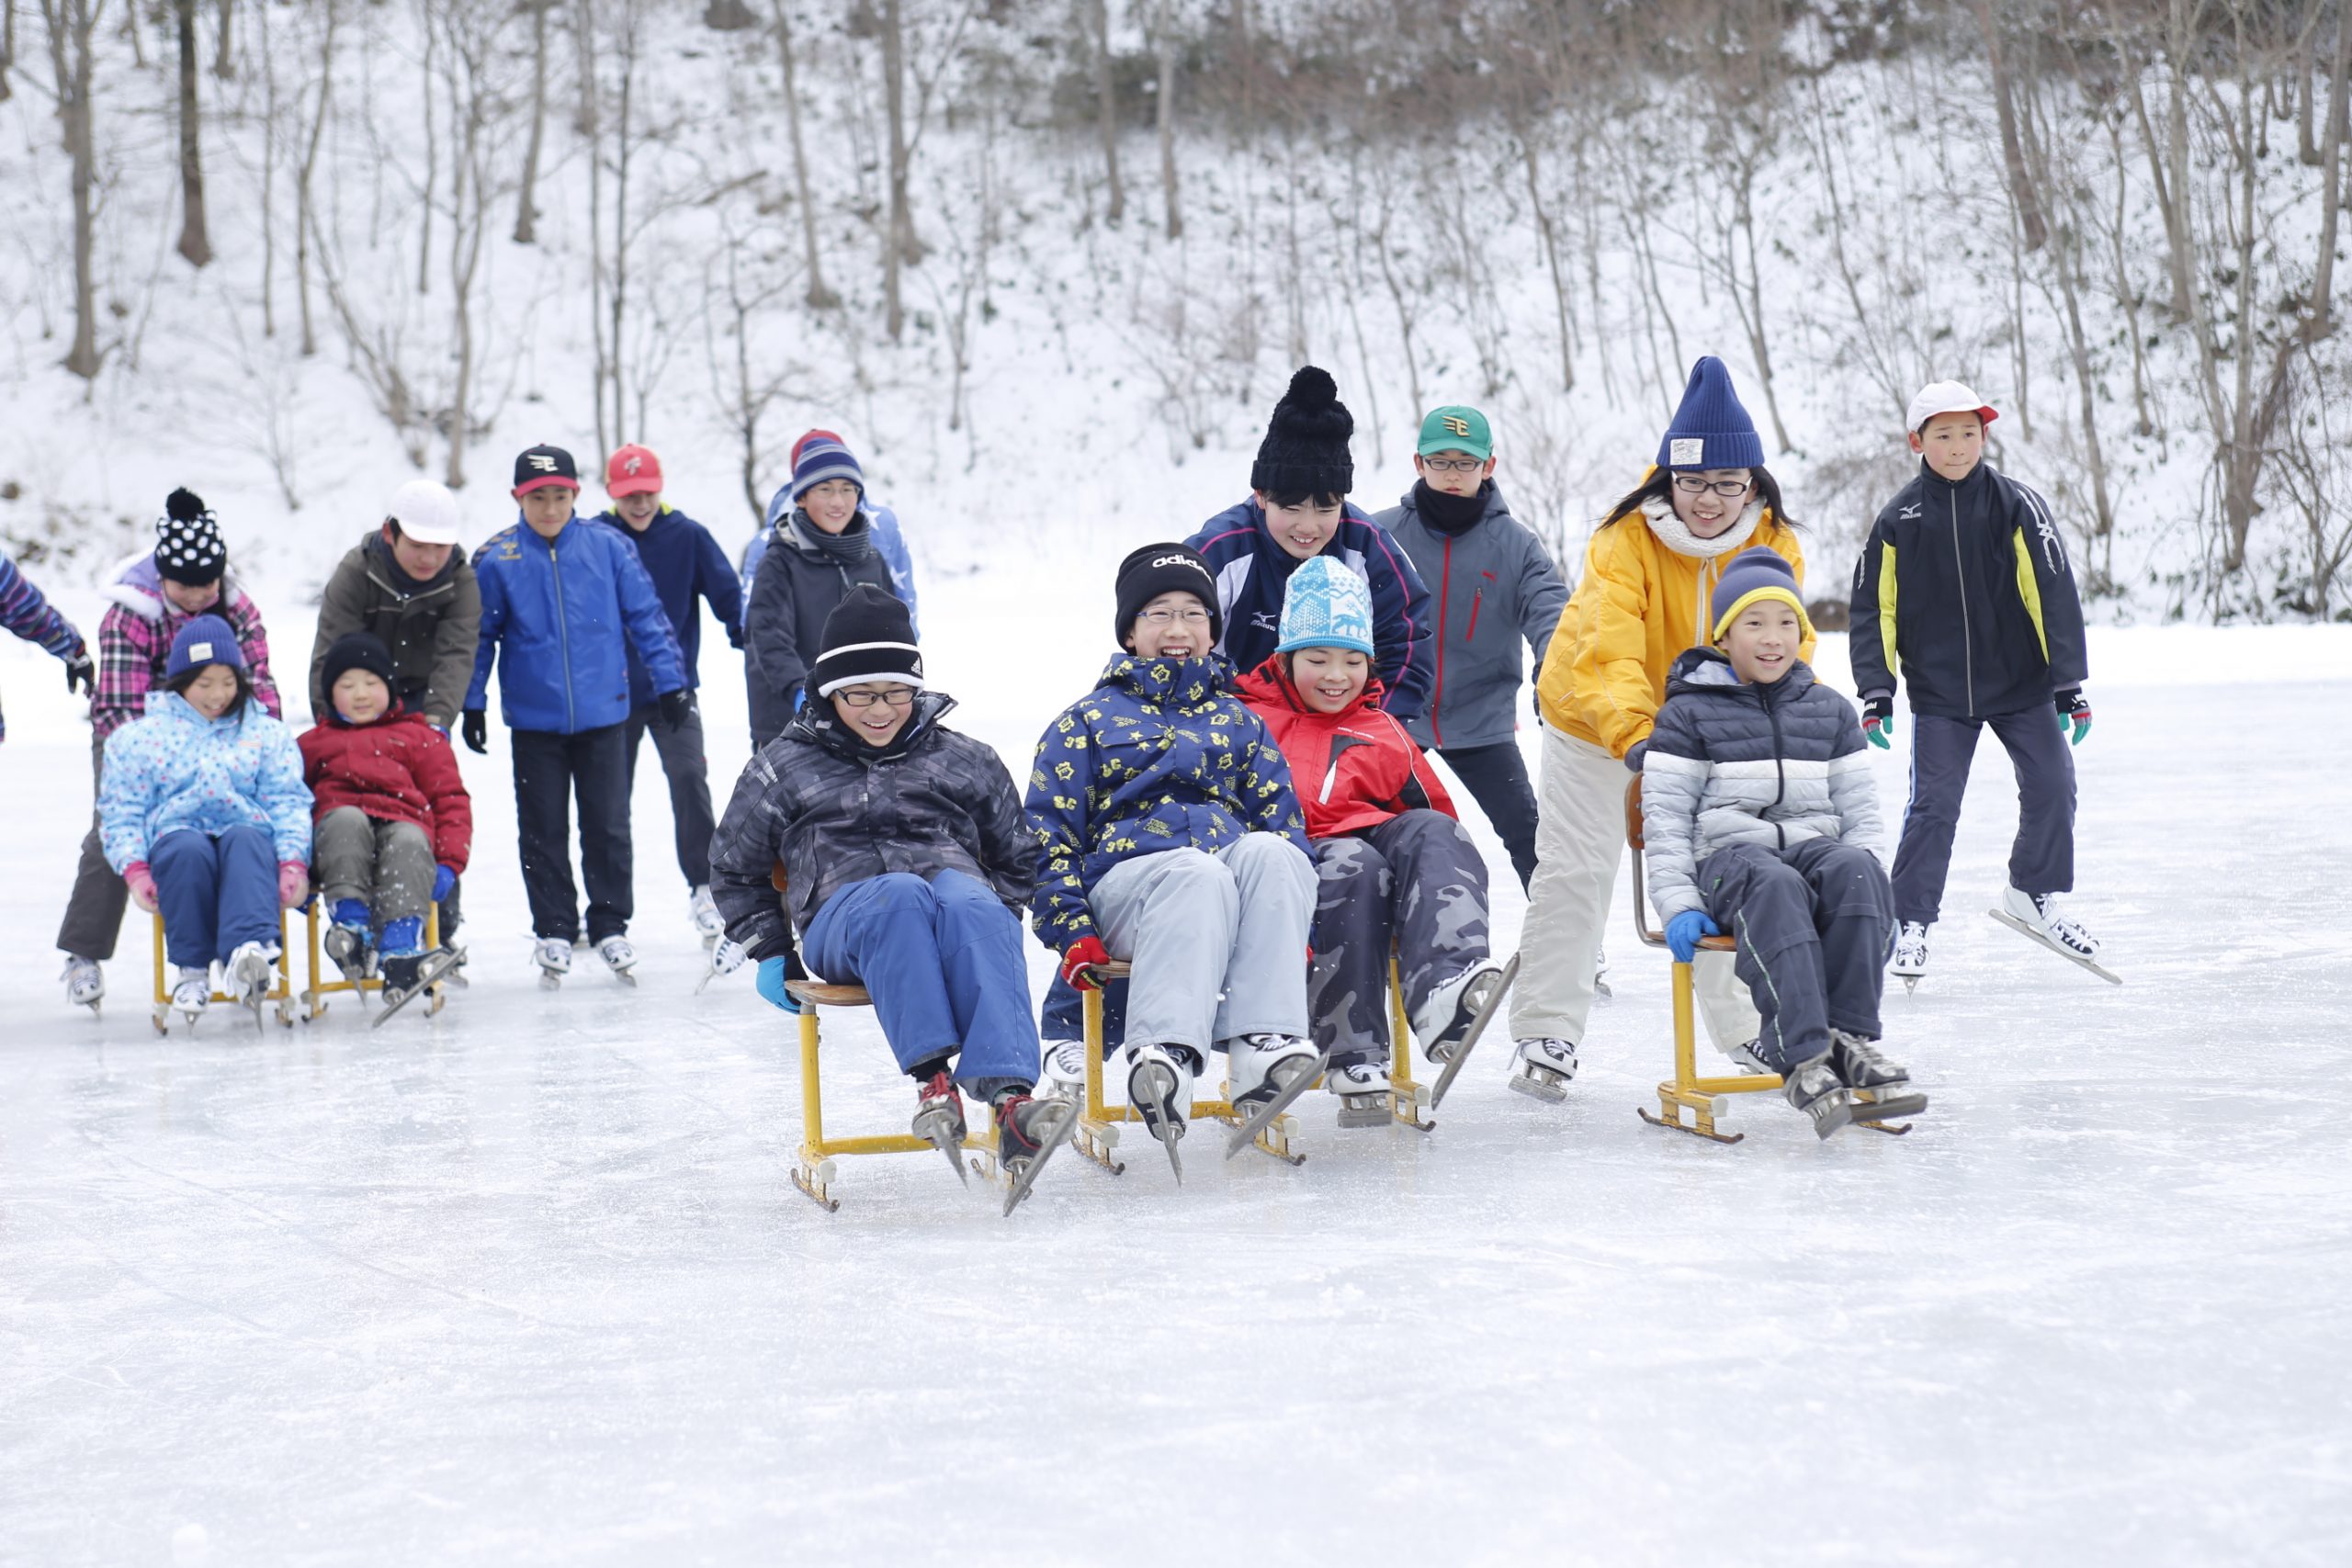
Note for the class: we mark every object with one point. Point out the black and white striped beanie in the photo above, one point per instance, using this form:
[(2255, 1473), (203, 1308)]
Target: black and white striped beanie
[(869, 637), (188, 547)]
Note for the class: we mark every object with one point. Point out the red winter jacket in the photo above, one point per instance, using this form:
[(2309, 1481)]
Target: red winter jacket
[(399, 769), (1352, 770)]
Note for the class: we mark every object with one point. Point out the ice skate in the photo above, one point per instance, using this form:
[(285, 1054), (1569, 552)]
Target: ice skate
[(553, 955), (1363, 1092), (191, 995), (1880, 1088), (407, 975), (1745, 1058), (346, 941), (1160, 1089), (2036, 915), (1910, 959), (1269, 1072), (1061, 1071), (249, 975), (1543, 1068), (704, 913), (86, 983), (1455, 1017), (727, 955), (1028, 1131), (939, 1119), (619, 957), (1814, 1087)]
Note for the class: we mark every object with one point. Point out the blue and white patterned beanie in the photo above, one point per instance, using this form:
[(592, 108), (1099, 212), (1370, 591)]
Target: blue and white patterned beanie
[(1325, 605)]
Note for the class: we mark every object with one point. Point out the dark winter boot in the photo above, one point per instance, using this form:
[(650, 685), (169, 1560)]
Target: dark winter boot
[(1815, 1089), (1881, 1089)]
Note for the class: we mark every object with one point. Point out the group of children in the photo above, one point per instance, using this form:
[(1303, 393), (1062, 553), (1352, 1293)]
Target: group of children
[(1242, 810)]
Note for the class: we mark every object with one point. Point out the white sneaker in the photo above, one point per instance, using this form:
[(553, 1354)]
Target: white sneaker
[(2040, 910), (1910, 952), (251, 968), (617, 954), (704, 913), (86, 983), (1449, 1011), (1544, 1067), (553, 955), (1061, 1071), (193, 993), (1262, 1066), (1745, 1058)]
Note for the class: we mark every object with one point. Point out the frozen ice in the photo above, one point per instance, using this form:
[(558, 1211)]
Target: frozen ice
[(525, 1283)]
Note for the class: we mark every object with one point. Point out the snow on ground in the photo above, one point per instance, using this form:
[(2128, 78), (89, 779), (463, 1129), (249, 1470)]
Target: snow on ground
[(525, 1284)]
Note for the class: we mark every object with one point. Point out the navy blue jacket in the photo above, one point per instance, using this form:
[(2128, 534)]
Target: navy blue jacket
[(1252, 570), (560, 618), (684, 561)]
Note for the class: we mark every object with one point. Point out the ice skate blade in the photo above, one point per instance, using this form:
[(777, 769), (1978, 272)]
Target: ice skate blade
[(1830, 1116), (2069, 955), (934, 1128), (1886, 1114), (1264, 1113), (1365, 1109), (1488, 1005), (1026, 1177), (625, 978), (549, 980), (1539, 1084)]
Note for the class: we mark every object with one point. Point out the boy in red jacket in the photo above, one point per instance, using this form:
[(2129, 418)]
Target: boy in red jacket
[(392, 822), (1392, 865)]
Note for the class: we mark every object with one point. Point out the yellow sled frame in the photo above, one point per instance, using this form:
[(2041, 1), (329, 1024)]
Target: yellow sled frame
[(313, 1006), (280, 994)]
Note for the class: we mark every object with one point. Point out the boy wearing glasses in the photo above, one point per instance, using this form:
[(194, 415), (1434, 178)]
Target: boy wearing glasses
[(1963, 588), (1494, 587), (907, 864), (1173, 840), (1297, 510)]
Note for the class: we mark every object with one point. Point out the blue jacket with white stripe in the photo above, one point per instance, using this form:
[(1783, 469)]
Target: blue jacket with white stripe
[(560, 618)]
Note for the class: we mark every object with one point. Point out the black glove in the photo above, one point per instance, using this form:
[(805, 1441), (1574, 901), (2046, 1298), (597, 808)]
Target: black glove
[(80, 671), (676, 708), (474, 725)]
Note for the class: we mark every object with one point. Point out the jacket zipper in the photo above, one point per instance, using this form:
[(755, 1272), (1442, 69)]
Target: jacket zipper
[(1960, 570), (1475, 600), (1437, 688), (563, 637), (1779, 765)]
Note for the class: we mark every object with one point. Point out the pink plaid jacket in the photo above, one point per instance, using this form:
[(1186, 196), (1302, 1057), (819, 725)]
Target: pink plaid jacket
[(135, 643)]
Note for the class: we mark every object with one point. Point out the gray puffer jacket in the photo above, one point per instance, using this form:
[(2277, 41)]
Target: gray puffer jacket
[(1732, 763), (832, 810)]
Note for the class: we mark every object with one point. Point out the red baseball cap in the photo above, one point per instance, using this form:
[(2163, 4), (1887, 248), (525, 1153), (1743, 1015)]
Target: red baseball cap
[(632, 470)]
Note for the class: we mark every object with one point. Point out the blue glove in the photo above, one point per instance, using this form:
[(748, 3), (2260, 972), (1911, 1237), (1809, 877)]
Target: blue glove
[(1683, 931), (771, 986), (444, 879)]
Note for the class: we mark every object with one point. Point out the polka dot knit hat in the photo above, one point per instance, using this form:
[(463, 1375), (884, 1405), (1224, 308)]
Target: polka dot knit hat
[(188, 547)]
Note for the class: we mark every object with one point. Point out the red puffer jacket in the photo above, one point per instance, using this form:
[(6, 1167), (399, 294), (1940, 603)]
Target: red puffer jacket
[(399, 768), (1352, 770)]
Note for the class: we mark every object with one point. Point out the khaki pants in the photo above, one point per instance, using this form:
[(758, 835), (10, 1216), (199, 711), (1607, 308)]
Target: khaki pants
[(1579, 845)]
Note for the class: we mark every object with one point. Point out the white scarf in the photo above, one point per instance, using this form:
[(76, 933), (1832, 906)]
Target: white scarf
[(1676, 534)]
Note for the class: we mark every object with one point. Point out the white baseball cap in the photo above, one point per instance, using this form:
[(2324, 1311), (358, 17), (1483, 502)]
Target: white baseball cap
[(425, 511), (1945, 397)]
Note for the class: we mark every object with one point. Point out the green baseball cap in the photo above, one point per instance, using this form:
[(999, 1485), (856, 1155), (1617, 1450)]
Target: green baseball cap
[(1456, 429)]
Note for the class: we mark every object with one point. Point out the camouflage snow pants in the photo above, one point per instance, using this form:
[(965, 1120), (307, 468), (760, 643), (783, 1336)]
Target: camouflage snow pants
[(1415, 880)]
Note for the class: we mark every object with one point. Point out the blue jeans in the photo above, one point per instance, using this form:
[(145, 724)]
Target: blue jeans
[(942, 960), (216, 894)]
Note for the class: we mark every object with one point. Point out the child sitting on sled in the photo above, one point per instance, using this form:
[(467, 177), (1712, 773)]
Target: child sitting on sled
[(1392, 865), (393, 822), (906, 866), (1759, 817), (202, 811)]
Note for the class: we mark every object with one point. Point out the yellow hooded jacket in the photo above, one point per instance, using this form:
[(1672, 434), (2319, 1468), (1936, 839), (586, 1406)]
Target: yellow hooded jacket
[(1639, 604)]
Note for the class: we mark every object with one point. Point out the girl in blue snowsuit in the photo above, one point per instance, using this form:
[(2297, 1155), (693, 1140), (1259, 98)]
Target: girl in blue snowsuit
[(203, 811)]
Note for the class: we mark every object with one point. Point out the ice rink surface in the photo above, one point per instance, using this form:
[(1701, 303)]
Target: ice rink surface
[(525, 1283)]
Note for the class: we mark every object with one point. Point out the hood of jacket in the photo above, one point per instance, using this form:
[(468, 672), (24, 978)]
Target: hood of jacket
[(1271, 685), (385, 567), (138, 586), (1169, 682), (1709, 669)]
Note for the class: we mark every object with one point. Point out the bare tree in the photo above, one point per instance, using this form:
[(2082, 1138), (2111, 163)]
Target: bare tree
[(306, 210), (903, 68), (1106, 109), (7, 46), (527, 212), (473, 48), (1164, 43), (224, 53), (819, 297), (2022, 194), (71, 24), (194, 244)]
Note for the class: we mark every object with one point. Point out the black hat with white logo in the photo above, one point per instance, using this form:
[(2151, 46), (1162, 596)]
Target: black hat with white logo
[(1165, 569), (543, 465)]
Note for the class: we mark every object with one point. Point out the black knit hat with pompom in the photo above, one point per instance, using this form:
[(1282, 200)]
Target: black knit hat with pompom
[(188, 547), (1306, 448)]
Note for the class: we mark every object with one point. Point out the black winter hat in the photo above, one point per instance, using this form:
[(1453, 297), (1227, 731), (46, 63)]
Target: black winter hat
[(544, 465), (188, 547), (356, 651), (1155, 570), (869, 637), (1306, 448)]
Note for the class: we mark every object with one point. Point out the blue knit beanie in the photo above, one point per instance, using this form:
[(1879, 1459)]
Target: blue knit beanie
[(1325, 605), (1711, 430), (1753, 574), (206, 639), (824, 457)]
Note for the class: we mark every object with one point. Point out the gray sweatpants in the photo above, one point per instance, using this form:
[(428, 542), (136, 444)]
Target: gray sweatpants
[(1218, 941), (387, 865)]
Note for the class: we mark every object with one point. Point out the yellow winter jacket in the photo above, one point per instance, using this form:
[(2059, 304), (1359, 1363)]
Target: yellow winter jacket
[(1640, 603)]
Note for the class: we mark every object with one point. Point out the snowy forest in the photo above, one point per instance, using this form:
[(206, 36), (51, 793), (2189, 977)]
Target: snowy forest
[(1049, 262)]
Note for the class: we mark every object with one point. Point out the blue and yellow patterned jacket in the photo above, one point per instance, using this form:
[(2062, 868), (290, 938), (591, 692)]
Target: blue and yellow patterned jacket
[(1160, 755)]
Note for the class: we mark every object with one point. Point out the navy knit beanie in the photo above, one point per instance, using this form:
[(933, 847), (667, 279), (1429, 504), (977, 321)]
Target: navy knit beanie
[(1711, 430), (1755, 574), (206, 639), (820, 456)]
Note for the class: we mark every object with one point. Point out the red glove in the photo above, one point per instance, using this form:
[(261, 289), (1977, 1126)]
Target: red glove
[(293, 882), (142, 885), (1078, 957)]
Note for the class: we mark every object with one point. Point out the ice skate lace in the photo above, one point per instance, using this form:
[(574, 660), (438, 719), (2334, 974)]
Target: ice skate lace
[(2062, 929)]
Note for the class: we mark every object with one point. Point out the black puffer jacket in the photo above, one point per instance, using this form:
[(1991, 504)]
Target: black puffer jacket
[(833, 811), (805, 574)]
